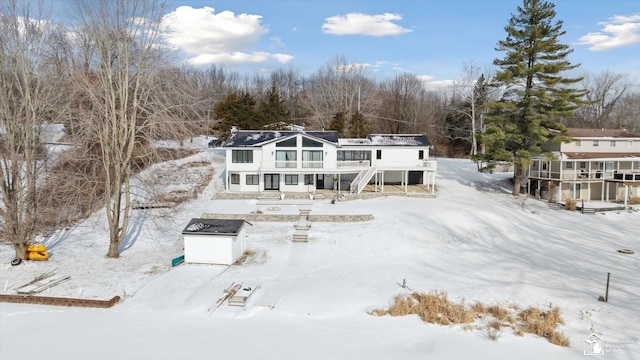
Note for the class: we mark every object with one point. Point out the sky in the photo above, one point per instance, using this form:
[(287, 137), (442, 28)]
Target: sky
[(473, 241), (432, 39)]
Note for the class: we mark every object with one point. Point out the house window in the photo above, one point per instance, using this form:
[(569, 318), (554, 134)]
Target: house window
[(311, 159), (629, 143), (420, 154), (544, 166), (308, 179), (583, 164), (310, 143), (286, 158), (242, 156), (613, 143), (578, 143), (595, 143), (287, 143), (291, 179), (353, 155), (570, 165), (235, 179), (253, 179), (379, 154)]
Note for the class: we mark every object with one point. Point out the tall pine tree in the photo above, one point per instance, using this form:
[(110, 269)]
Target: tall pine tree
[(236, 109), (339, 123), (273, 111), (536, 95), (358, 125)]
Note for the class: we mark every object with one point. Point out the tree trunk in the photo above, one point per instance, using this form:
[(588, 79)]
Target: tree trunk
[(21, 249), (518, 177)]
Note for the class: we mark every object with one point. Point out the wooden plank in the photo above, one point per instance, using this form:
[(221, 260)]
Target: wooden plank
[(43, 284), (241, 297)]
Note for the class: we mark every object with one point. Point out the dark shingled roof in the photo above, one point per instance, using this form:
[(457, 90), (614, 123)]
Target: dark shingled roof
[(399, 139), (213, 226), (250, 138)]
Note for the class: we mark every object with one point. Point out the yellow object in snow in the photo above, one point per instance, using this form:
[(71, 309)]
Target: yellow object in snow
[(37, 252), (36, 247), (37, 255)]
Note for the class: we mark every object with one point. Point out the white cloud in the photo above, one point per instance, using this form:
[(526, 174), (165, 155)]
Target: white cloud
[(364, 24), (217, 38), (620, 30), (430, 83)]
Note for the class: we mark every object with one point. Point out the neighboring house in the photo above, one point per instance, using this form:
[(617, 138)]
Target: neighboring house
[(306, 161), (598, 165)]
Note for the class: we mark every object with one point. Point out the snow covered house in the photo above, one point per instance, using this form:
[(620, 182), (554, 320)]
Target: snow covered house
[(598, 165), (214, 241), (306, 161)]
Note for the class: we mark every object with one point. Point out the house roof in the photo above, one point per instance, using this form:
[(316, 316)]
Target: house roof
[(606, 133), (251, 138), (213, 227), (389, 140), (600, 155)]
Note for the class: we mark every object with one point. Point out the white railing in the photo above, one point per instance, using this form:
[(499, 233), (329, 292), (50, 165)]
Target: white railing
[(361, 180), (286, 164), (312, 164), (354, 163), (430, 165)]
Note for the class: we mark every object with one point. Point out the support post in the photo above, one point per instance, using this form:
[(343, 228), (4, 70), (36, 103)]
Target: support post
[(606, 294)]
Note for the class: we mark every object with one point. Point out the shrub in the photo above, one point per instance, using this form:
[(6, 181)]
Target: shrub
[(570, 204), (436, 308)]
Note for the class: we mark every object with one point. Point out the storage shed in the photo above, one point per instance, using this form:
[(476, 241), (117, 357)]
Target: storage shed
[(213, 241)]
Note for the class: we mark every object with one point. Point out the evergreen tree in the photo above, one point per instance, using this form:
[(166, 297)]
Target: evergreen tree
[(236, 109), (339, 123), (358, 126), (536, 94), (272, 110)]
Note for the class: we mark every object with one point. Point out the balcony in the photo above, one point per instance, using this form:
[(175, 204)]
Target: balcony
[(313, 164), (286, 164), (354, 164)]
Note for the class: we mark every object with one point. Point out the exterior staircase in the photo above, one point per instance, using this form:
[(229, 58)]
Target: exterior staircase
[(361, 180)]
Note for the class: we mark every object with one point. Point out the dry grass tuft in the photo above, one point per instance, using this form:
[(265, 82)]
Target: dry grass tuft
[(436, 308), (570, 204), (541, 323)]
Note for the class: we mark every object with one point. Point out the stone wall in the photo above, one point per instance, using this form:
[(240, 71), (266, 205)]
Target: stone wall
[(57, 301)]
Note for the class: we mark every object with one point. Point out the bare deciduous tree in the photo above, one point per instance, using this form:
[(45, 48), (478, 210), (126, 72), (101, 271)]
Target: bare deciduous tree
[(341, 86), (122, 73), (604, 92), (25, 98), (628, 112), (402, 104)]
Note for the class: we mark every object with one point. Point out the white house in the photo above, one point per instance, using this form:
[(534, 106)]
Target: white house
[(598, 165), (214, 241), (306, 161)]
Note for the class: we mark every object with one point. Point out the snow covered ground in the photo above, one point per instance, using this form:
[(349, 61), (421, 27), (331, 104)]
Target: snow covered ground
[(474, 241)]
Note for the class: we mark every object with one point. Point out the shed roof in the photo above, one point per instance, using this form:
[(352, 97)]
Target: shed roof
[(250, 138), (213, 227)]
